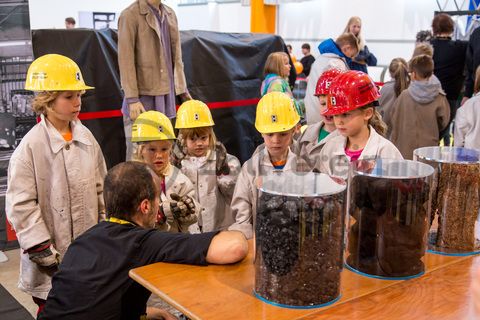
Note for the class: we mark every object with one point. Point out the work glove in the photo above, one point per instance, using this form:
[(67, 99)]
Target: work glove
[(221, 165), (178, 154), (44, 255), (136, 109), (181, 206)]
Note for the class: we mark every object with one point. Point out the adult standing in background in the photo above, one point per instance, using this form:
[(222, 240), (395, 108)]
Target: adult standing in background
[(307, 59), (449, 63), (472, 62), (364, 57), (150, 60)]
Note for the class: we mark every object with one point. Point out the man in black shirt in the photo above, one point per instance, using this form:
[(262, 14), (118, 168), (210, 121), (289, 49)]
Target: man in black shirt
[(92, 281), (307, 59)]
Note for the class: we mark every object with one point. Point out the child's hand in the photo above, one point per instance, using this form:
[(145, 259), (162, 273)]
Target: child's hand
[(44, 255), (136, 109), (221, 166), (177, 156)]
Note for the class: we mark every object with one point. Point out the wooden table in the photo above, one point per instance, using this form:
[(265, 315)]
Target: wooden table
[(225, 292)]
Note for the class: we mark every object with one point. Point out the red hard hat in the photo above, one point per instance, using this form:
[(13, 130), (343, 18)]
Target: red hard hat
[(325, 80), (349, 91)]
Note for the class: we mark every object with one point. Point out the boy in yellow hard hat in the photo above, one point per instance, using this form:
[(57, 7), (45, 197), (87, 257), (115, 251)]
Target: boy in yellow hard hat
[(179, 211), (276, 119), (55, 176), (205, 161)]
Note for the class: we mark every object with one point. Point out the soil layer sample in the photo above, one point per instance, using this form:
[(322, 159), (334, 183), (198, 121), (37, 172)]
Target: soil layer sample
[(299, 232), (389, 213), (455, 198)]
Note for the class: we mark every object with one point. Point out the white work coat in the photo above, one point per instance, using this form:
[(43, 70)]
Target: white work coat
[(467, 124), (307, 146), (54, 192), (333, 160), (213, 192), (244, 202), (177, 182)]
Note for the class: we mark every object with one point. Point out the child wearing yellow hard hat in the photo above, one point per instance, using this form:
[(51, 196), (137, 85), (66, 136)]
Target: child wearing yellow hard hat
[(206, 162), (55, 175), (276, 119), (179, 211)]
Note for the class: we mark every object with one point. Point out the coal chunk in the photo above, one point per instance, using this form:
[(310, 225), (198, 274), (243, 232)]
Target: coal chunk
[(299, 248)]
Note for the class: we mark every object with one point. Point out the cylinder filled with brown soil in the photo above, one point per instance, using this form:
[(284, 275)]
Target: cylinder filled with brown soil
[(389, 211), (299, 232), (454, 227)]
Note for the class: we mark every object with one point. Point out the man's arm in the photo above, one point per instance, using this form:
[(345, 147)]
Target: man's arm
[(227, 247)]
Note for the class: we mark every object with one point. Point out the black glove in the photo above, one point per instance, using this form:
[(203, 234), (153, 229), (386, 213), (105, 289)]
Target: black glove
[(221, 165), (181, 206), (44, 254), (177, 154)]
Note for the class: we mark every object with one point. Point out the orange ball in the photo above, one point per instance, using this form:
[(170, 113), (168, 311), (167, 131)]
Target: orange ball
[(298, 66)]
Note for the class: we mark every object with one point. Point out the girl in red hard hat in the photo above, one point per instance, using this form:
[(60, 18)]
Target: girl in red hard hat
[(312, 140), (352, 100)]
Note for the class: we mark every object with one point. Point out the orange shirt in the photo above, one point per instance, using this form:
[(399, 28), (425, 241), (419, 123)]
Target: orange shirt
[(67, 136)]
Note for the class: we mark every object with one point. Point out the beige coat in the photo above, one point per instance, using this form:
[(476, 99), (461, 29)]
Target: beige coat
[(334, 161), (55, 192), (415, 125), (307, 146), (213, 192), (177, 182), (244, 202), (140, 54)]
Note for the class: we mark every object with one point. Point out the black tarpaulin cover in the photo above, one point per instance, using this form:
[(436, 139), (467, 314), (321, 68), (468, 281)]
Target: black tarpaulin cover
[(220, 67)]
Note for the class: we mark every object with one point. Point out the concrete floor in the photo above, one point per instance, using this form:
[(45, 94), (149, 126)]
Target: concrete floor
[(9, 272)]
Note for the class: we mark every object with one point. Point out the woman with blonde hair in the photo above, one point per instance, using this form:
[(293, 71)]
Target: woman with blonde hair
[(364, 57)]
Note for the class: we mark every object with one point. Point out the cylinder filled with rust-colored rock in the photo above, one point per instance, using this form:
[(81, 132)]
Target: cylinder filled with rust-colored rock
[(389, 212), (454, 227), (299, 231)]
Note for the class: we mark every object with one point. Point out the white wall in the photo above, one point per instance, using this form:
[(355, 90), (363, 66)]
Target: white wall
[(49, 14), (389, 27), (227, 17)]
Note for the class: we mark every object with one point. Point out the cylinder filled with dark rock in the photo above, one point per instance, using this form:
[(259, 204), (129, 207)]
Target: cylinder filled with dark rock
[(299, 232), (454, 227), (389, 212)]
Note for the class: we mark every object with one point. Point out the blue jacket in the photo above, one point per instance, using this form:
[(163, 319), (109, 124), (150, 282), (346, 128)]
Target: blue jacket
[(329, 46)]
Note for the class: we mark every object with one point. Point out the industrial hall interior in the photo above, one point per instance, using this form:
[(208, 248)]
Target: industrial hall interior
[(296, 159)]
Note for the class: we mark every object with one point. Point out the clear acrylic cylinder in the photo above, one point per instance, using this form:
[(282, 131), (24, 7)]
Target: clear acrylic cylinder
[(389, 211), (299, 233), (454, 227)]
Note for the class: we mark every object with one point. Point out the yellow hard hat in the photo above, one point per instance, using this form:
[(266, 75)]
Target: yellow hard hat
[(193, 114), (276, 113), (152, 126), (54, 72)]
